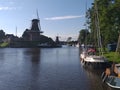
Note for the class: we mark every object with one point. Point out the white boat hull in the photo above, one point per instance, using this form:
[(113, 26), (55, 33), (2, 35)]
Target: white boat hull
[(113, 82), (96, 59), (95, 62)]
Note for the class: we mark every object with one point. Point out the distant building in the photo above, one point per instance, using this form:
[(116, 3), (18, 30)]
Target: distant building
[(10, 38), (57, 40)]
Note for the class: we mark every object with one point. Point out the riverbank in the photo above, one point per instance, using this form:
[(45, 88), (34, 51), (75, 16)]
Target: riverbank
[(113, 56), (5, 44), (29, 44)]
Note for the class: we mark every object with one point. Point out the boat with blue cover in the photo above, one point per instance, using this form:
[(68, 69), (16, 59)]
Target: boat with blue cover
[(111, 76)]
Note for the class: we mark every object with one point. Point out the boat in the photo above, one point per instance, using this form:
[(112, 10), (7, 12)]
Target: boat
[(83, 55), (83, 52), (113, 82), (95, 61), (111, 76), (94, 55), (77, 45)]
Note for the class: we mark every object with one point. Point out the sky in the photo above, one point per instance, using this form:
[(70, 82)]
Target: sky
[(64, 18)]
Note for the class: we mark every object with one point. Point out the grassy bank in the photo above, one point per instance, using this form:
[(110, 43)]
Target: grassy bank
[(3, 45), (113, 56)]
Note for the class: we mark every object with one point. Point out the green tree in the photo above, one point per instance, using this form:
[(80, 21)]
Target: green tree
[(109, 20), (83, 37), (2, 35)]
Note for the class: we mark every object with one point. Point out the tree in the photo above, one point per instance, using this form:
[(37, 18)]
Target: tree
[(2, 35), (26, 35), (109, 19), (83, 36)]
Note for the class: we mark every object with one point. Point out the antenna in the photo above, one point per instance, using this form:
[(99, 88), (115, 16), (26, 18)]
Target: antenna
[(16, 31)]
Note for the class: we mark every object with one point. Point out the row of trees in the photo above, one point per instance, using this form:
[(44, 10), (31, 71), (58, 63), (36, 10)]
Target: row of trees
[(109, 22)]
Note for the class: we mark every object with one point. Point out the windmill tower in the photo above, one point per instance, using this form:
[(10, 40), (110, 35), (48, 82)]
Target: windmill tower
[(57, 39)]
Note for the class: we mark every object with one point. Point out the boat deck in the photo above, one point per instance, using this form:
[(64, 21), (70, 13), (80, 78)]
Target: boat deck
[(94, 58)]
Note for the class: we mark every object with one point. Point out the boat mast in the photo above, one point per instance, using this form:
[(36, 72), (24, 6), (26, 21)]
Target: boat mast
[(86, 27), (118, 45), (97, 27)]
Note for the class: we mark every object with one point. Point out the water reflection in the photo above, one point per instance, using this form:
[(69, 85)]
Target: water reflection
[(34, 54)]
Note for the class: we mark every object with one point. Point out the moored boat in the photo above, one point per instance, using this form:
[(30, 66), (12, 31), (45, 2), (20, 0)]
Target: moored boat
[(111, 76), (83, 54), (96, 61)]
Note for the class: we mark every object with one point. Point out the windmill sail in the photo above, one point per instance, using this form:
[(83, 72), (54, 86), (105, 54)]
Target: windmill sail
[(39, 22)]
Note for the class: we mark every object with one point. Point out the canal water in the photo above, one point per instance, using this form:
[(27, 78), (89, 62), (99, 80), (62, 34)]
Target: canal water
[(46, 69)]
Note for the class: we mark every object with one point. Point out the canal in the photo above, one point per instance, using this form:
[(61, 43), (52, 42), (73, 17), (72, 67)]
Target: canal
[(46, 69)]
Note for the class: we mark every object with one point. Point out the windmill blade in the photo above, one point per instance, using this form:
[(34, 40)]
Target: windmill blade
[(39, 21)]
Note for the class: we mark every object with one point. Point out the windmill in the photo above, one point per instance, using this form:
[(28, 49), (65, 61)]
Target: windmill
[(57, 39)]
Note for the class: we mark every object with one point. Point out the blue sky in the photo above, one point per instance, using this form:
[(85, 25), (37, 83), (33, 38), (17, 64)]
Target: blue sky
[(57, 17)]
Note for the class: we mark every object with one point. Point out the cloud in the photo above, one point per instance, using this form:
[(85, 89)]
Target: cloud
[(7, 8), (64, 17)]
